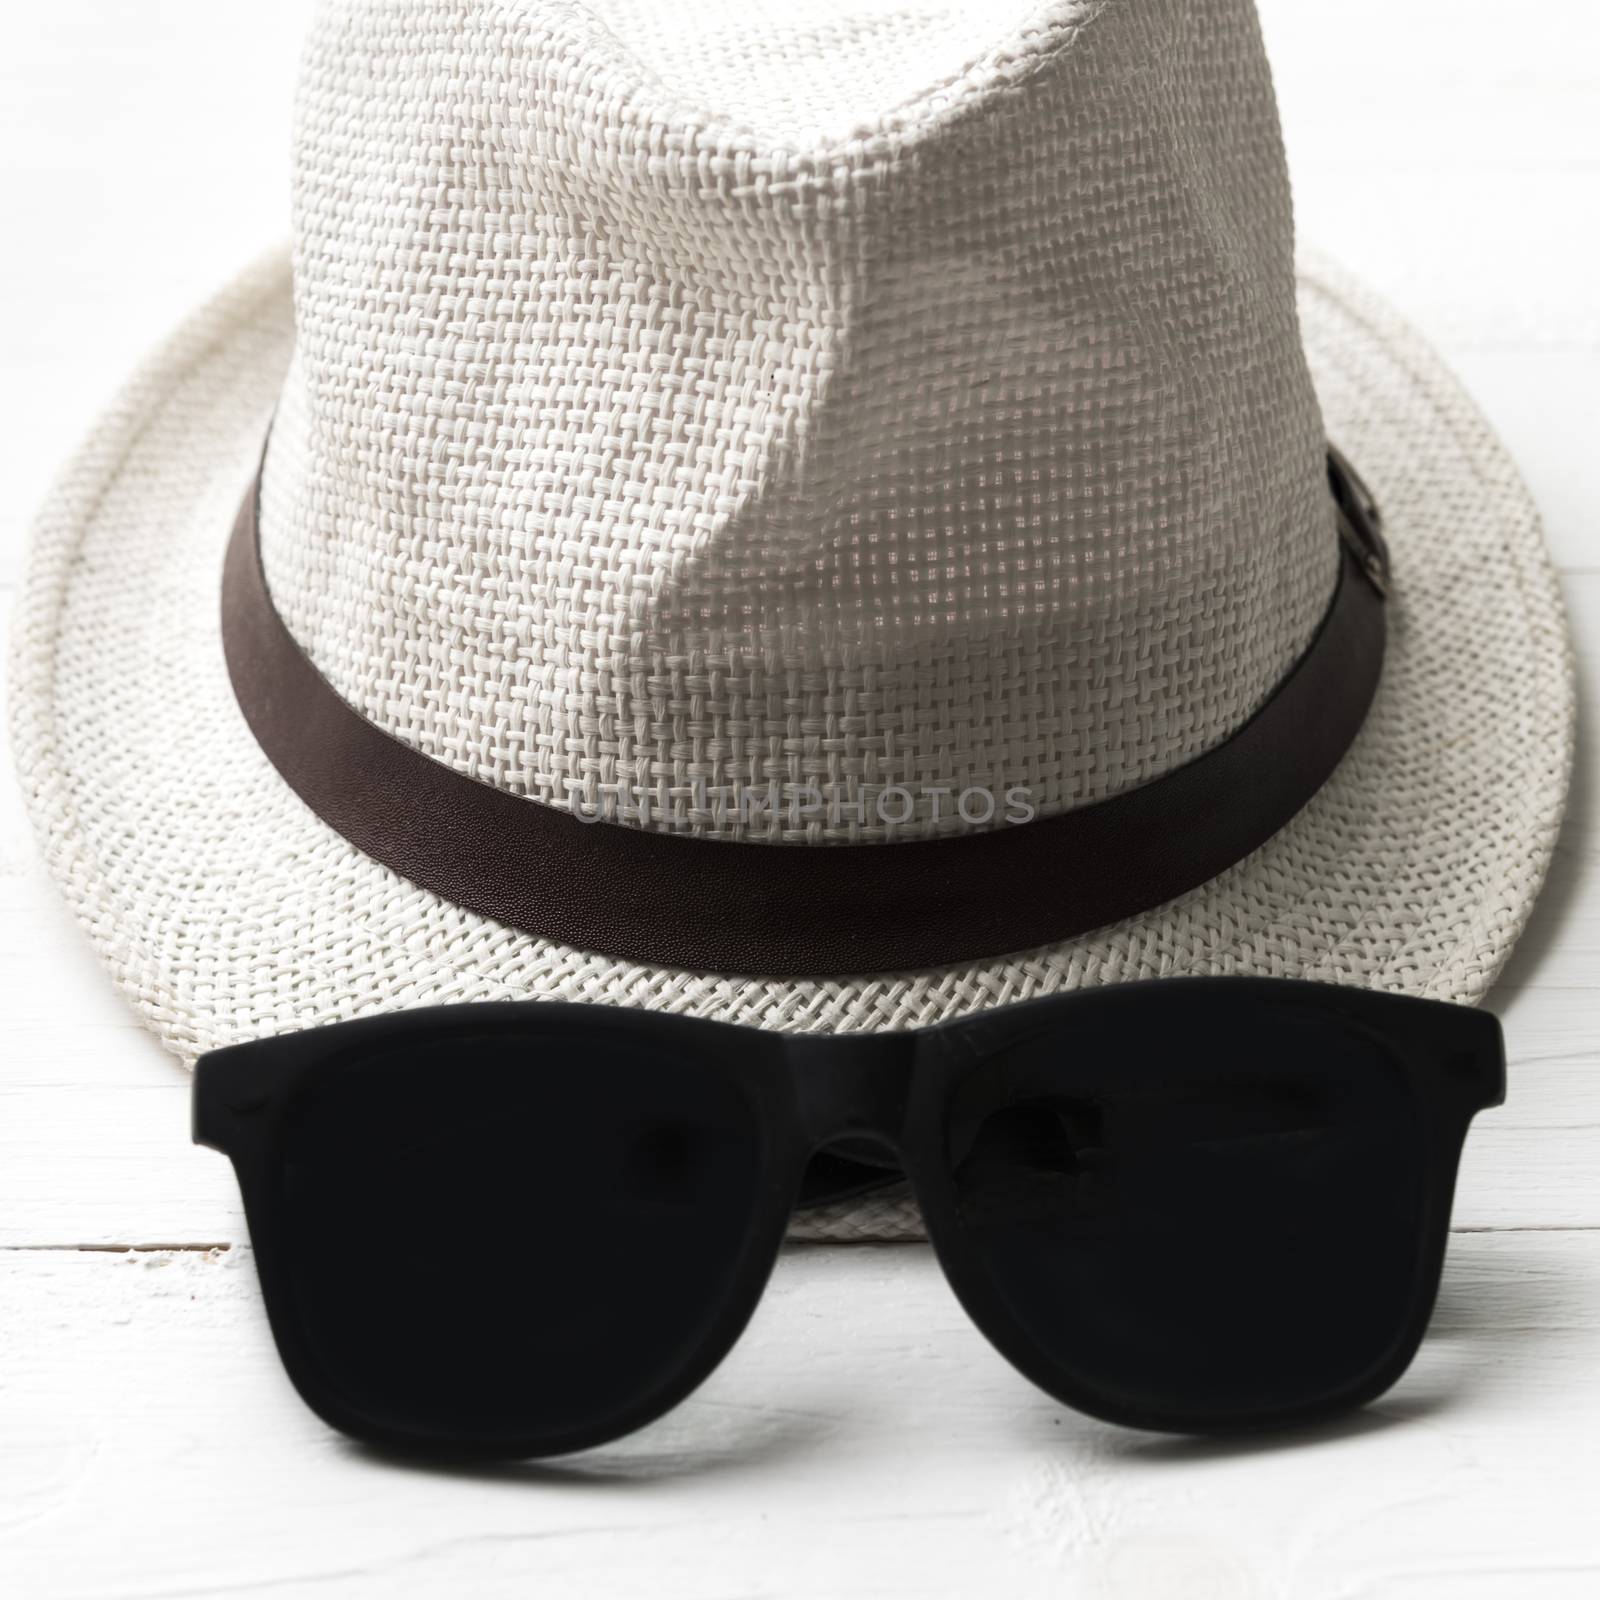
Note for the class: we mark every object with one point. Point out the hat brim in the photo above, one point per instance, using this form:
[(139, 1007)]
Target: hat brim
[(226, 910)]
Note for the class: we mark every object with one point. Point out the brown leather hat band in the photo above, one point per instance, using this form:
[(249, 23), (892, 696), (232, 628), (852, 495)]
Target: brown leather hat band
[(787, 909)]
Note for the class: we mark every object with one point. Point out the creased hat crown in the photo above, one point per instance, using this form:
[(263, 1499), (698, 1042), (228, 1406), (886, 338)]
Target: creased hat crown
[(695, 400)]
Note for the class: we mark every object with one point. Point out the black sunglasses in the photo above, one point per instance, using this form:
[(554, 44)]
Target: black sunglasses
[(521, 1229)]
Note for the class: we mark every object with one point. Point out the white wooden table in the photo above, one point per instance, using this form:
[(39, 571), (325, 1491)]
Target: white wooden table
[(863, 1440)]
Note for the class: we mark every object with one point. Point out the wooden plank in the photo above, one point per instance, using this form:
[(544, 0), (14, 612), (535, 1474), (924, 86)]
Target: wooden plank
[(145, 159), (862, 1439)]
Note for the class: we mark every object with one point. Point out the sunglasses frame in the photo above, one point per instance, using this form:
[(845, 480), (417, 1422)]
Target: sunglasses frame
[(813, 1090)]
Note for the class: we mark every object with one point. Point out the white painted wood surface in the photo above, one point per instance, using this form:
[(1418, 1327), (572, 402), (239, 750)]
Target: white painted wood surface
[(863, 1440)]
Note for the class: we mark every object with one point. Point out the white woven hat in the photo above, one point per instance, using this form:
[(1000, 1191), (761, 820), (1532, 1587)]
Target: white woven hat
[(718, 417)]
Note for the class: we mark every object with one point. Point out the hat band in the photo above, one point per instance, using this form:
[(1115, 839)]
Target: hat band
[(681, 900)]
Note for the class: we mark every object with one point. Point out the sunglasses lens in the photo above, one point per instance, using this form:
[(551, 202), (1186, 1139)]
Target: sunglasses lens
[(513, 1241), (1200, 1241)]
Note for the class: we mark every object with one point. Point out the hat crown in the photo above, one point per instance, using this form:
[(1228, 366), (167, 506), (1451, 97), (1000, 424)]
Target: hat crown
[(697, 403)]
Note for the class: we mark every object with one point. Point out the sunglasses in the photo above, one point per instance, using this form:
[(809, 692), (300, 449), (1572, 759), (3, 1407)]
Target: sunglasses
[(519, 1229)]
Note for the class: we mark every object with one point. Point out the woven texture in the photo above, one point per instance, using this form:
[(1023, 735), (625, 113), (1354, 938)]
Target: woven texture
[(657, 441), (225, 910)]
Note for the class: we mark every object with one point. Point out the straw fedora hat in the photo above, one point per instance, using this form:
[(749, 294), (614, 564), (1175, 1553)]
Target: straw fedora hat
[(821, 518)]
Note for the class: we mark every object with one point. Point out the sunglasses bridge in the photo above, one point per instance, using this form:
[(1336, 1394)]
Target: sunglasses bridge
[(854, 1089)]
